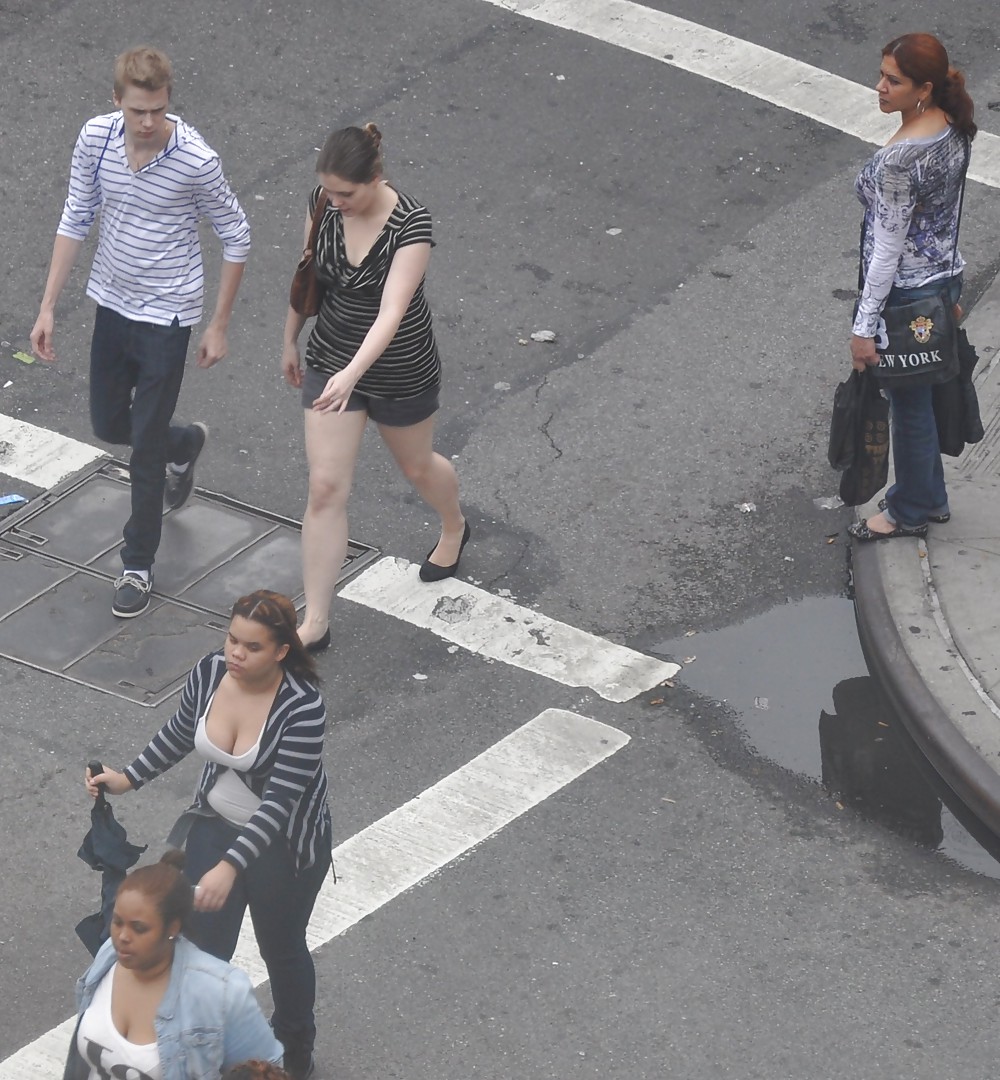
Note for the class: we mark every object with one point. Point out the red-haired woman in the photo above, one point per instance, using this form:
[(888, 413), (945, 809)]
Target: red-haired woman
[(911, 190), (258, 835)]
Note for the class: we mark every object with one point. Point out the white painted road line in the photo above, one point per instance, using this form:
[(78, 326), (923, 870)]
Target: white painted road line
[(751, 69), (502, 630), (40, 457), (412, 843), (449, 819)]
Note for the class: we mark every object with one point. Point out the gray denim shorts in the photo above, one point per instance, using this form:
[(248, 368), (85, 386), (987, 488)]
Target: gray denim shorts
[(393, 412)]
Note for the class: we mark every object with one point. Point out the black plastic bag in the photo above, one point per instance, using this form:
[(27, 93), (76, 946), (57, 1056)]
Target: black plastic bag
[(956, 404), (949, 416), (104, 848), (972, 422), (869, 469), (844, 422)]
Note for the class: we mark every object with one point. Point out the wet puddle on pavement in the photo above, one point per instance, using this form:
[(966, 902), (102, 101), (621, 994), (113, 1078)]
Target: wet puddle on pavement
[(796, 682)]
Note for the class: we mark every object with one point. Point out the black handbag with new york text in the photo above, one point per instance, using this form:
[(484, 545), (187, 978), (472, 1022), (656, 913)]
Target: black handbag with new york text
[(916, 341)]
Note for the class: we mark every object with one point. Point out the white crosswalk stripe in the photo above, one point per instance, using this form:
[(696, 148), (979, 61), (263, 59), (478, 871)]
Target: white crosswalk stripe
[(752, 69), (411, 843), (499, 629), (34, 455)]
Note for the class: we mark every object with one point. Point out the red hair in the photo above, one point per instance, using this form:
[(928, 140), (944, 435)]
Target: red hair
[(923, 59)]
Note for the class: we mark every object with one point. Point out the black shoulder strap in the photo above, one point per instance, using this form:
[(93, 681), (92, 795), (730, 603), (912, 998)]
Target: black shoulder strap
[(961, 201)]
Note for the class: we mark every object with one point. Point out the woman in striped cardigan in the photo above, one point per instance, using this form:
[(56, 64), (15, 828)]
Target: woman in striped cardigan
[(258, 834)]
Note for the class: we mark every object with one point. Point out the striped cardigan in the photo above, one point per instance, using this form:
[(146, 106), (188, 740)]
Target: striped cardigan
[(287, 776)]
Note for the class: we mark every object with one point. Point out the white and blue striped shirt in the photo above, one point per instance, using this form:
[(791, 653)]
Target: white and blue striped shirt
[(148, 265)]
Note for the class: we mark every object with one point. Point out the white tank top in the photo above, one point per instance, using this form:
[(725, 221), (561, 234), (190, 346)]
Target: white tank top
[(105, 1050), (230, 797)]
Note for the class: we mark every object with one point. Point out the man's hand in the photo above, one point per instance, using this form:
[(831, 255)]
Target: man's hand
[(212, 347), (41, 337)]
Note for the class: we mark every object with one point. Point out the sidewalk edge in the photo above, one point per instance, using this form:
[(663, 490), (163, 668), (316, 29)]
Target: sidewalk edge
[(953, 758)]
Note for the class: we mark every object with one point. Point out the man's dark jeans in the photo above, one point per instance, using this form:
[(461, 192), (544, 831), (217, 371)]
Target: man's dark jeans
[(281, 901), (136, 370)]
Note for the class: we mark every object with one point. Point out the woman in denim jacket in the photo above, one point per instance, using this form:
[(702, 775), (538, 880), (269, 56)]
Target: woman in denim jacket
[(154, 1006)]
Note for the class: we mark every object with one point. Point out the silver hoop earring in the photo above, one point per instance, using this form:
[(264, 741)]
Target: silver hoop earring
[(921, 105)]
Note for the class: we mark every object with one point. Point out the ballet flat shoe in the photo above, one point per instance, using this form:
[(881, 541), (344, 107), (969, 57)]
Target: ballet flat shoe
[(860, 531)]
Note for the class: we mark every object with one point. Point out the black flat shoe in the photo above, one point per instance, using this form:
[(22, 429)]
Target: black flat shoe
[(432, 572), (860, 531), (938, 519), (319, 644)]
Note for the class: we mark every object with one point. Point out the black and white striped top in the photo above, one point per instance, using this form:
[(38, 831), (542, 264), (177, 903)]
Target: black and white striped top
[(410, 364), (148, 264), (288, 775)]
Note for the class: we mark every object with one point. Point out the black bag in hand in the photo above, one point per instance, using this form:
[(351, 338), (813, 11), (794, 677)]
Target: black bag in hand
[(972, 421), (956, 404), (844, 422), (868, 471)]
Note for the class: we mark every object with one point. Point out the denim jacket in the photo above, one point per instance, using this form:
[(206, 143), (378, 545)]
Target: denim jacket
[(208, 1019)]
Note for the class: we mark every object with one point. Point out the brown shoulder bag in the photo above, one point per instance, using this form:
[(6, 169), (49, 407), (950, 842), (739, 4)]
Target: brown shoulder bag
[(306, 293)]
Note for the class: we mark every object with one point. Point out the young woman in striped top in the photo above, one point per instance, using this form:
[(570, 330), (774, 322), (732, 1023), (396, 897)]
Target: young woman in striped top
[(371, 353), (258, 834)]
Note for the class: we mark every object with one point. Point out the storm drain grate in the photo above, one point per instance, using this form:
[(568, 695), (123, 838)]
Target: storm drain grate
[(59, 556)]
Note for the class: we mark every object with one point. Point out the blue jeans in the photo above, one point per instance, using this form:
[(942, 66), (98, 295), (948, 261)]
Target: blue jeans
[(136, 370), (281, 901), (919, 489)]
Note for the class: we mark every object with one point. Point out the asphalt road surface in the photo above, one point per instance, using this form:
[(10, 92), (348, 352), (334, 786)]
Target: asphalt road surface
[(683, 908)]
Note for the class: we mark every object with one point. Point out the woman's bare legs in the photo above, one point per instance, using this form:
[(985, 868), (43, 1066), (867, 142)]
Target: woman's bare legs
[(332, 444), (434, 478)]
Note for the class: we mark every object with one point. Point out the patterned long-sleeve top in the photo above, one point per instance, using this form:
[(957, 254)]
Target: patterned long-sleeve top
[(910, 190), (287, 776)]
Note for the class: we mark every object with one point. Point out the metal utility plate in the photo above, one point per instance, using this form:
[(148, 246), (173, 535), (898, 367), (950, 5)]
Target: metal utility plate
[(59, 558)]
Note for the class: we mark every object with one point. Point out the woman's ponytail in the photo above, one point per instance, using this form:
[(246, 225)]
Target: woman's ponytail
[(954, 99)]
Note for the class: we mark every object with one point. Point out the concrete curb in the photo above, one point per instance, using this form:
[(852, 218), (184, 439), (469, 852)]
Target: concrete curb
[(892, 662), (905, 627)]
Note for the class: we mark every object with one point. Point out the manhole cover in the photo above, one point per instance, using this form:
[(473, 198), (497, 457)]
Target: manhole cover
[(59, 556)]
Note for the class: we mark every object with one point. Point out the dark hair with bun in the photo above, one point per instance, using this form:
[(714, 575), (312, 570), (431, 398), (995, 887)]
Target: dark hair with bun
[(164, 884), (352, 153), (922, 58)]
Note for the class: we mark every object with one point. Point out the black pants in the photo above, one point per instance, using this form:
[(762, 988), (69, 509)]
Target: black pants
[(281, 903), (136, 371)]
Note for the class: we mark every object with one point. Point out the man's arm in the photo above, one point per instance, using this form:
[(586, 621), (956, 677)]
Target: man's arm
[(64, 254), (214, 346), (229, 222)]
